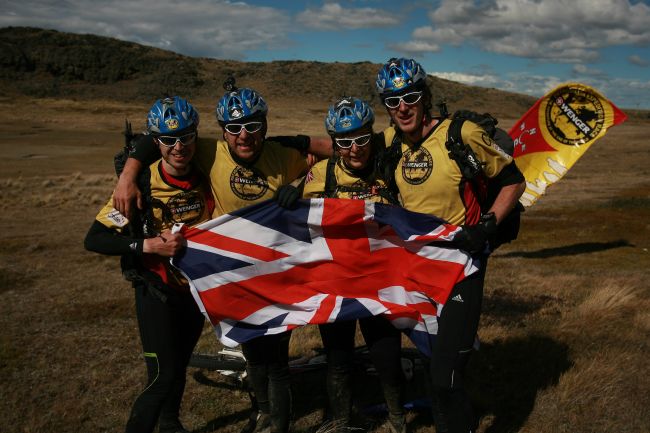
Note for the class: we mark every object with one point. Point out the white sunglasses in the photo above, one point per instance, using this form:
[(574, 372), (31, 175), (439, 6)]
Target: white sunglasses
[(170, 140), (250, 127), (408, 98), (346, 143)]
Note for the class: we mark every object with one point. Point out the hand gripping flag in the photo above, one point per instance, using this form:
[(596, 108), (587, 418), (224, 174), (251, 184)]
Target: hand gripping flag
[(557, 131), (265, 269)]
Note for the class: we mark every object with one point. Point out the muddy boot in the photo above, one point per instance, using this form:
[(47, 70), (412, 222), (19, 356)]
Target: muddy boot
[(339, 398), (453, 412), (280, 399), (171, 426), (263, 423), (396, 417), (258, 383)]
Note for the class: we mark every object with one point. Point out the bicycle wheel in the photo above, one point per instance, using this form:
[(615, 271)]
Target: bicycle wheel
[(217, 362)]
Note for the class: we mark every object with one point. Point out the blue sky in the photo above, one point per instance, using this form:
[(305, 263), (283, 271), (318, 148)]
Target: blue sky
[(525, 46)]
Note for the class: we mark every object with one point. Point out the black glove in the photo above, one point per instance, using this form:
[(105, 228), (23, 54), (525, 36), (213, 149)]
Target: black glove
[(473, 238), (286, 196)]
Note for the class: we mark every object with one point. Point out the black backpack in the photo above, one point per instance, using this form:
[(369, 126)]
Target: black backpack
[(469, 165), (142, 226), (472, 170), (145, 217)]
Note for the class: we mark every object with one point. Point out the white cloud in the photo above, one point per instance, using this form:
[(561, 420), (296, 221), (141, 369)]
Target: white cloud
[(549, 30), (414, 48), (584, 71), (332, 16), (625, 93), (638, 61), (471, 79), (201, 28)]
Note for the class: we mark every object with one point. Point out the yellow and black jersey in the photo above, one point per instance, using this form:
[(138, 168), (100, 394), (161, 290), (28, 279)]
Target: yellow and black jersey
[(348, 184), (186, 200), (236, 185), (429, 181)]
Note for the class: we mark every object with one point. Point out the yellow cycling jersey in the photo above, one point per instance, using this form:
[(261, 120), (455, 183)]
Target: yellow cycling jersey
[(429, 181), (236, 185), (186, 200), (348, 184)]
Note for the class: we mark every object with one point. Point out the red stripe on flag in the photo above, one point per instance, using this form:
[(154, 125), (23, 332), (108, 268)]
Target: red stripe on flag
[(234, 245), (350, 279)]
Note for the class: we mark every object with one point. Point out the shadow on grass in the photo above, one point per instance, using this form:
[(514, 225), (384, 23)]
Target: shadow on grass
[(511, 309), (506, 376), (224, 421), (568, 250)]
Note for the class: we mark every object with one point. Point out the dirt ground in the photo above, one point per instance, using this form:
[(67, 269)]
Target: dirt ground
[(566, 321)]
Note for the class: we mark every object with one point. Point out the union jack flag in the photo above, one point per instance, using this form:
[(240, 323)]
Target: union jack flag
[(265, 269)]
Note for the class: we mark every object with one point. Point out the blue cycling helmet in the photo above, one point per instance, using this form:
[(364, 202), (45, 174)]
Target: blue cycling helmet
[(171, 115), (348, 114), (398, 75), (239, 105)]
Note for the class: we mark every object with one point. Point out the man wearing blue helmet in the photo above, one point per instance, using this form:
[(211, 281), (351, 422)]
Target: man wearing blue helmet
[(169, 320), (429, 181), (351, 174), (244, 167)]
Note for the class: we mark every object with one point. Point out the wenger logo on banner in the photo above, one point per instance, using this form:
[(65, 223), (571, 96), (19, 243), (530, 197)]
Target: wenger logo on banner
[(557, 131), (265, 269)]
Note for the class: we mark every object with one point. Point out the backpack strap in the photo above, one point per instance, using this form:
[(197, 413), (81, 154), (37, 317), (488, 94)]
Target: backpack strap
[(389, 195), (468, 163), (387, 160), (331, 185), (470, 166), (330, 178)]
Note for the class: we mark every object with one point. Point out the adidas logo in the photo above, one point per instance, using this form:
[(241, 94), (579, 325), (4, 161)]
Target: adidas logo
[(457, 298)]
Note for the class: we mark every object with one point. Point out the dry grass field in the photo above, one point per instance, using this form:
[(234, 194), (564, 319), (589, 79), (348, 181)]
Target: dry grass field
[(565, 330)]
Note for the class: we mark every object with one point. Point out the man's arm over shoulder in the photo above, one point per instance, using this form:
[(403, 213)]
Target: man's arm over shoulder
[(126, 191), (144, 152), (315, 148)]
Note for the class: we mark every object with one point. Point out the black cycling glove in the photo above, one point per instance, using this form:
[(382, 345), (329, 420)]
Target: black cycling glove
[(286, 196), (472, 238)]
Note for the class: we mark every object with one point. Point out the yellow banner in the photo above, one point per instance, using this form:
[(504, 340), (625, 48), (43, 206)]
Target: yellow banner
[(557, 131)]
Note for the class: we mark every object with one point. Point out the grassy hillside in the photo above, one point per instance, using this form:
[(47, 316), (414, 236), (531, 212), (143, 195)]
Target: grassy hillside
[(48, 63)]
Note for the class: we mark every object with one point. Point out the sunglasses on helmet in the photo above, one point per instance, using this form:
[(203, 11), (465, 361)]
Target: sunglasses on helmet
[(408, 98), (250, 127), (170, 140), (346, 143)]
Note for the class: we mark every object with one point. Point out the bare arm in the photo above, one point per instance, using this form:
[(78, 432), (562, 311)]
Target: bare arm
[(320, 147), (507, 199), (126, 191)]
